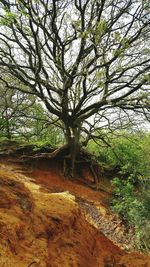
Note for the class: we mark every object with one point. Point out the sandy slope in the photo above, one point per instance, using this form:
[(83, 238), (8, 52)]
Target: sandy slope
[(40, 226)]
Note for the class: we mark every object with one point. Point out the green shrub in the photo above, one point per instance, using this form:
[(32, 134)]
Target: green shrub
[(134, 206), (130, 152), (131, 195)]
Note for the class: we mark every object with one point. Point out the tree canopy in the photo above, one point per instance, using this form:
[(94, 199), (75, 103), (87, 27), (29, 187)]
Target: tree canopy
[(82, 58)]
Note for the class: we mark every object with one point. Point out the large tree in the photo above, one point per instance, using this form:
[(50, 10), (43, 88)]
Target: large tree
[(80, 57)]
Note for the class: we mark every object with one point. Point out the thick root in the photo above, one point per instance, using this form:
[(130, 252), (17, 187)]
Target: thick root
[(69, 161), (51, 155)]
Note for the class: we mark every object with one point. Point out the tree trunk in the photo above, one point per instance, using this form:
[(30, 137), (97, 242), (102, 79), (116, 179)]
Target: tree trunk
[(8, 134), (72, 138)]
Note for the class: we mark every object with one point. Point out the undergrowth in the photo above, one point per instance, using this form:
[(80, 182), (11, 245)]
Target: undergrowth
[(133, 205), (130, 153)]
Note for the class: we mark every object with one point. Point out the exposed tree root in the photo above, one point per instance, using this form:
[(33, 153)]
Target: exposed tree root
[(63, 153), (82, 157), (50, 155)]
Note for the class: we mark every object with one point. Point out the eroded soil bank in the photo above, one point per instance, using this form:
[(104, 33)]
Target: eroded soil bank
[(45, 221)]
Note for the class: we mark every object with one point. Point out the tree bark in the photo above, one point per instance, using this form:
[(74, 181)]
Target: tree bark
[(8, 134), (73, 142)]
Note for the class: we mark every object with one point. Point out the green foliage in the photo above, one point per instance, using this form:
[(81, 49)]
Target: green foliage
[(2, 125), (123, 197), (42, 145), (103, 153), (100, 30), (117, 36), (130, 152), (22, 117), (8, 18), (133, 206)]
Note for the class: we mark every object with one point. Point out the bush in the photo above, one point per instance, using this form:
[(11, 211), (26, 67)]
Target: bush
[(131, 153), (134, 207)]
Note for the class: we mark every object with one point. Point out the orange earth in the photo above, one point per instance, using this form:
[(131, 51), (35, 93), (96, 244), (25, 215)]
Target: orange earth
[(43, 224)]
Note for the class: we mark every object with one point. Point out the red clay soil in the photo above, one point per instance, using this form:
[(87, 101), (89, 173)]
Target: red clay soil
[(49, 174), (41, 223)]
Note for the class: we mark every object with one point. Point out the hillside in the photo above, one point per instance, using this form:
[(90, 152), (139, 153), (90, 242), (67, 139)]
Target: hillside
[(49, 221)]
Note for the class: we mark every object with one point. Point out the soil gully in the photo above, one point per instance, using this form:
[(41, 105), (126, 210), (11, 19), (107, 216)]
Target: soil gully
[(110, 225), (56, 225), (94, 204)]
